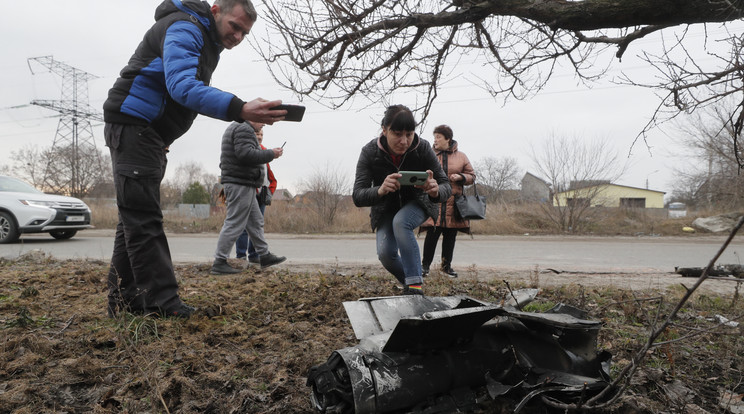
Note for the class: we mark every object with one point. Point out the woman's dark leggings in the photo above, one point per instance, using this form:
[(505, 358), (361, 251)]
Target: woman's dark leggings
[(448, 245)]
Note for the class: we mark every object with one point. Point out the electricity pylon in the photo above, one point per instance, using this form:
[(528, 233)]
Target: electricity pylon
[(74, 163)]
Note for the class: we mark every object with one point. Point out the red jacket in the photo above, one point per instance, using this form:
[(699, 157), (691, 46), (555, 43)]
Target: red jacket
[(270, 174)]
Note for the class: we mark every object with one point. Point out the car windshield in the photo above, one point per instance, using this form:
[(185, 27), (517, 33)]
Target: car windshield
[(17, 186)]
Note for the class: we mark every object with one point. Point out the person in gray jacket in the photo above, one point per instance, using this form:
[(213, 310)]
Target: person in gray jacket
[(241, 165)]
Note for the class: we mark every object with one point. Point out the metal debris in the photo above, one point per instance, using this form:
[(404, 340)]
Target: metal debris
[(434, 354), (734, 270), (725, 321), (731, 402)]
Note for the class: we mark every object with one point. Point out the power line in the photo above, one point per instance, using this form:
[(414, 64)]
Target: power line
[(74, 131)]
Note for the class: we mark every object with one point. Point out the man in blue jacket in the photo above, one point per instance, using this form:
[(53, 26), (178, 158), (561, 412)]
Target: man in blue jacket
[(152, 103)]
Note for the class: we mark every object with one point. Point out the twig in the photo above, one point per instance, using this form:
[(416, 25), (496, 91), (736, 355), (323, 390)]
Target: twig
[(162, 400), (653, 299), (67, 324), (629, 370), (511, 292), (696, 332)]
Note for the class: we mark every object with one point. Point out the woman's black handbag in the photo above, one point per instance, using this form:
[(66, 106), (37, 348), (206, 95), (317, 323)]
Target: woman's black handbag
[(471, 207)]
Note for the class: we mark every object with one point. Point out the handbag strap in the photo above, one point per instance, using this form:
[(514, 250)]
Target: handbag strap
[(475, 188)]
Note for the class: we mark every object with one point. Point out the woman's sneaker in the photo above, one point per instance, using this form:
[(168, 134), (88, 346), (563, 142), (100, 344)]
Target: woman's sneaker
[(413, 290)]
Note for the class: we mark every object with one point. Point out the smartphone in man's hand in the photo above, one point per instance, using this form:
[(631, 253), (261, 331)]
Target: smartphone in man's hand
[(294, 112)]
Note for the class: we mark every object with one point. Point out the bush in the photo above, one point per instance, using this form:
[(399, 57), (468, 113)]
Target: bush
[(195, 194)]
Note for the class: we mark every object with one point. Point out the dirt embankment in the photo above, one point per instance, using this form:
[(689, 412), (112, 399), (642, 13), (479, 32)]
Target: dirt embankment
[(250, 345)]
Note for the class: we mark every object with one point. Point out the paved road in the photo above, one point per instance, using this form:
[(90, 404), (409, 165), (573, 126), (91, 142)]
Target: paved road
[(596, 254)]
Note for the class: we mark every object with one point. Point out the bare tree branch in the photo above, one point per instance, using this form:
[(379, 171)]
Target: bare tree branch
[(335, 50), (709, 174), (622, 380)]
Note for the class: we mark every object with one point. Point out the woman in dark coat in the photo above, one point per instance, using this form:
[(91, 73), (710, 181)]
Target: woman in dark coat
[(398, 209), (457, 167)]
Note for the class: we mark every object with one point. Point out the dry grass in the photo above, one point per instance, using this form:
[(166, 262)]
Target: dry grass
[(250, 345), (502, 219), (281, 217), (104, 214)]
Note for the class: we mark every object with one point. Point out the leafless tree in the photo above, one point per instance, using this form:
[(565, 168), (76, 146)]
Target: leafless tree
[(325, 189), (186, 174), (170, 195), (28, 165), (190, 172), (70, 170), (579, 166), (497, 174), (335, 50), (709, 175)]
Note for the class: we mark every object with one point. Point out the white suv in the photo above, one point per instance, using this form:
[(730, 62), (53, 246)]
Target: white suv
[(24, 209)]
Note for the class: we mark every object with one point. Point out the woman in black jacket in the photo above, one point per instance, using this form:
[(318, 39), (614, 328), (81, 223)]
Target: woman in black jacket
[(398, 209)]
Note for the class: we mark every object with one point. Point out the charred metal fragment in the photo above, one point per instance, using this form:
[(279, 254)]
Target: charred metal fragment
[(734, 270), (434, 354)]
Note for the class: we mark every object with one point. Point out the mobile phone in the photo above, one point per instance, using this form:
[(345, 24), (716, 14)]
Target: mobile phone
[(413, 177), (294, 112)]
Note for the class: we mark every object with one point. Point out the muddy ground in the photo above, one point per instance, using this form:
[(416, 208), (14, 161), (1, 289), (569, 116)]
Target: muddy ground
[(250, 345)]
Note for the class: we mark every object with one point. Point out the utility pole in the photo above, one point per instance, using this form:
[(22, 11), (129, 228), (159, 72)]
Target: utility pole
[(73, 163)]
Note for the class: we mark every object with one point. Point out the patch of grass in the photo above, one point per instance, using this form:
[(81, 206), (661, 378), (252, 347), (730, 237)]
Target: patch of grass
[(136, 330), (29, 292), (538, 306), (711, 303), (24, 319)]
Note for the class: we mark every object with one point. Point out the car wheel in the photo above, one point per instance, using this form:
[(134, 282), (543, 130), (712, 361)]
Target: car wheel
[(8, 229), (63, 234)]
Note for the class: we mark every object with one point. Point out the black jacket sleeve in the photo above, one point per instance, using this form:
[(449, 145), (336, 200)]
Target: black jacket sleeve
[(365, 190)]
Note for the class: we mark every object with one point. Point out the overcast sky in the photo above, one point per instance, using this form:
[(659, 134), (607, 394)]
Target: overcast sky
[(98, 36)]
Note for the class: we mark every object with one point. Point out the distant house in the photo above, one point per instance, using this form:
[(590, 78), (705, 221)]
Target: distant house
[(606, 194), (535, 188), (323, 198), (282, 194)]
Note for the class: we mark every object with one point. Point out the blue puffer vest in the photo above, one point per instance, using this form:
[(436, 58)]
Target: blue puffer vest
[(166, 82)]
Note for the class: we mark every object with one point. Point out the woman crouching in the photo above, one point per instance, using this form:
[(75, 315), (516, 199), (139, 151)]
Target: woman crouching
[(398, 209)]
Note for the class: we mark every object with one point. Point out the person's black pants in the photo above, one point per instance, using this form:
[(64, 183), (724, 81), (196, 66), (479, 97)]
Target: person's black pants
[(448, 245), (141, 276)]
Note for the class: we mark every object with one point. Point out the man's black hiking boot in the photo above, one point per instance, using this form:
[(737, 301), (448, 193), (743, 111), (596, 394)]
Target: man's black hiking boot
[(270, 259), (220, 267), (182, 311)]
